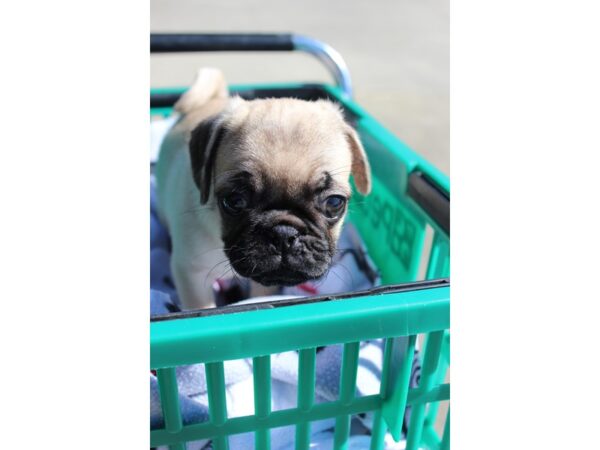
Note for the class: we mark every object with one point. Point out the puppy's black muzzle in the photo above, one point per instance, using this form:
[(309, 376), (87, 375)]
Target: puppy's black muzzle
[(283, 254), (285, 238)]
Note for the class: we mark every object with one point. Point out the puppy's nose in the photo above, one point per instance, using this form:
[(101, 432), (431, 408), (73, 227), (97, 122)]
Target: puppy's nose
[(284, 235)]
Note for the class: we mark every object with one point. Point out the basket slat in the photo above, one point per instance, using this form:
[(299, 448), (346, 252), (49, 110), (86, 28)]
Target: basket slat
[(398, 383), (217, 403), (439, 259), (169, 399), (347, 391), (445, 444), (378, 431), (262, 398), (306, 394), (440, 375), (379, 425), (430, 364)]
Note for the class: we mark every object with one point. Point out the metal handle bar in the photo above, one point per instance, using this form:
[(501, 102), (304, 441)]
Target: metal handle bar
[(176, 43)]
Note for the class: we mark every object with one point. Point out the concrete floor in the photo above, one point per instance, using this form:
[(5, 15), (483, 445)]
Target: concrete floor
[(397, 53)]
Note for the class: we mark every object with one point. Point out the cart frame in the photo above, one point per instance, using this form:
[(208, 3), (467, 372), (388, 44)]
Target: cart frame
[(418, 197)]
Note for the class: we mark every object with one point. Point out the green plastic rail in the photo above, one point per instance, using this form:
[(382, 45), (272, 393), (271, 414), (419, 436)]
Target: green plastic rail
[(213, 339)]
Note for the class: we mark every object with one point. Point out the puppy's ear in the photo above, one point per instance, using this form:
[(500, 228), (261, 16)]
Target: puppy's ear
[(204, 142), (361, 170)]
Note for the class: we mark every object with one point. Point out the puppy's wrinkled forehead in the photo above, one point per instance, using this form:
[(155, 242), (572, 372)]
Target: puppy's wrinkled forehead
[(287, 140)]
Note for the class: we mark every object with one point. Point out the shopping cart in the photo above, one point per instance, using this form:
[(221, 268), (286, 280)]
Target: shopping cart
[(405, 225)]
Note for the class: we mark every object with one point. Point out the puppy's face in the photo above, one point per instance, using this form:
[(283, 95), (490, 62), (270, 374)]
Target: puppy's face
[(278, 173)]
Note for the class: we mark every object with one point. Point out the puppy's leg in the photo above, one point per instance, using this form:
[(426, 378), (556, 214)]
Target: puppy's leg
[(194, 284)]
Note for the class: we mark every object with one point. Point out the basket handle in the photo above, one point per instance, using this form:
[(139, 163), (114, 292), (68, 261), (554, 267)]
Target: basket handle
[(429, 196), (178, 43)]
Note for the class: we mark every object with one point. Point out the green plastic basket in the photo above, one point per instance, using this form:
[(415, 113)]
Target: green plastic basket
[(404, 223)]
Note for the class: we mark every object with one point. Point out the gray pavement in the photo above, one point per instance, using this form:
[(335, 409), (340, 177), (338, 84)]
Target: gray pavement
[(397, 53)]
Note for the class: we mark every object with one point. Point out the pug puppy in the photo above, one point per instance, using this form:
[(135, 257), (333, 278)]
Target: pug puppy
[(258, 187)]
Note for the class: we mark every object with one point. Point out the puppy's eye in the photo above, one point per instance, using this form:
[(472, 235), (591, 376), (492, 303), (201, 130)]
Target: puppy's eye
[(334, 206), (234, 203)]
